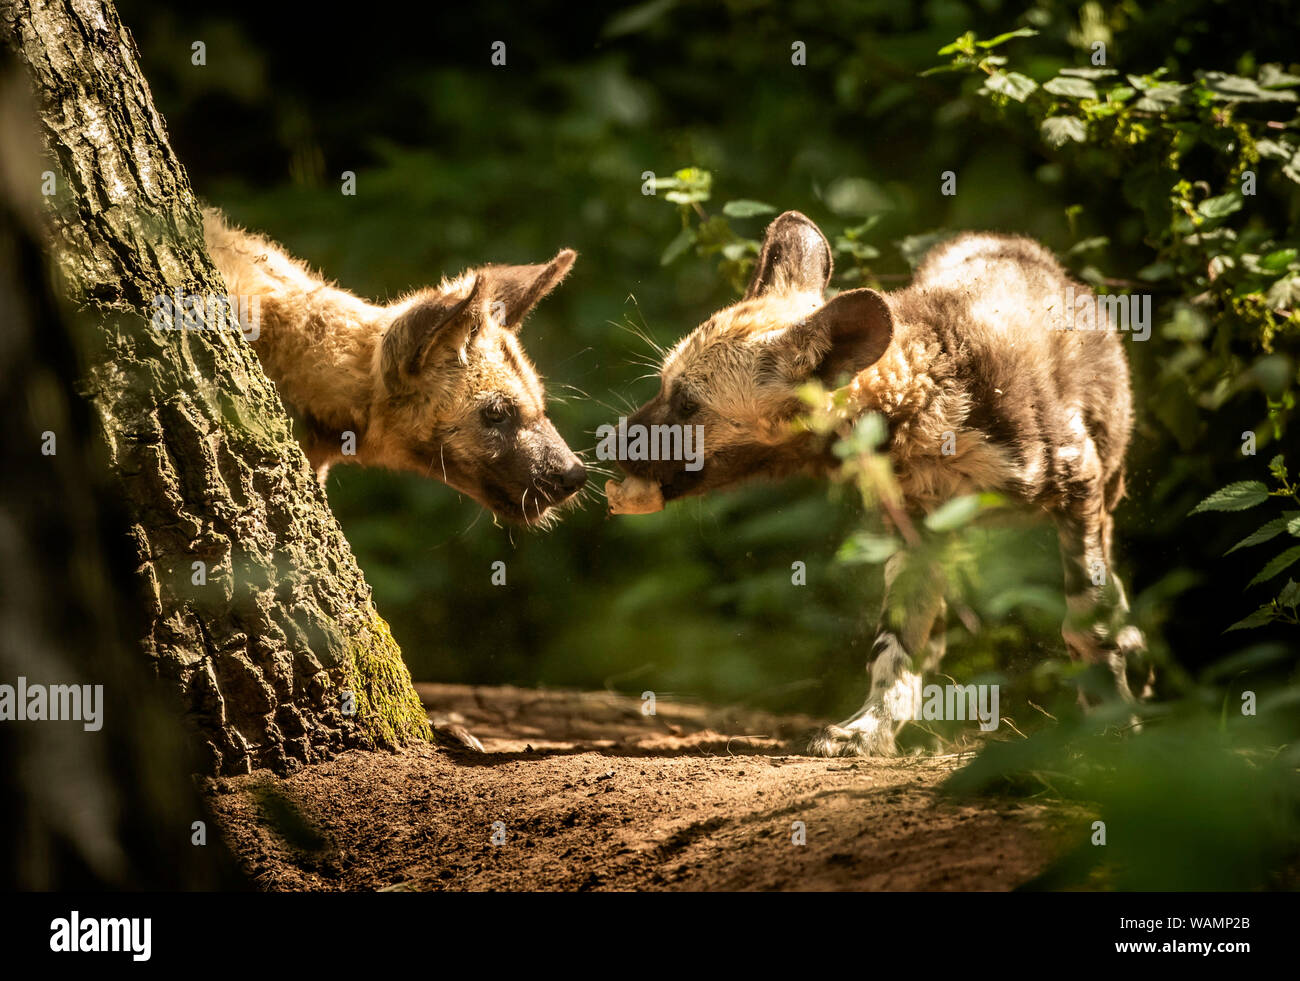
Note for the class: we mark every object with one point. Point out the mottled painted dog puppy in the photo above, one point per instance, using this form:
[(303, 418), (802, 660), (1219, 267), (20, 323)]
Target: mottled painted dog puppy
[(436, 383), (975, 347)]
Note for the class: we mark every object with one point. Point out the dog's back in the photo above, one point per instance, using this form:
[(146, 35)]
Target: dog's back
[(1050, 406)]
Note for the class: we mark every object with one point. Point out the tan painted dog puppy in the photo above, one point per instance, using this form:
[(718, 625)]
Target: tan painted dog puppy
[(436, 383), (975, 350)]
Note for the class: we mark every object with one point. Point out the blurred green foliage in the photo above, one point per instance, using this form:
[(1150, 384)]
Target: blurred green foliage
[(459, 163)]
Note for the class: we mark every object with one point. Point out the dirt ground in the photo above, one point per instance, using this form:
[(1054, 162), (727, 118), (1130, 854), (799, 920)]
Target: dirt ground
[(582, 791)]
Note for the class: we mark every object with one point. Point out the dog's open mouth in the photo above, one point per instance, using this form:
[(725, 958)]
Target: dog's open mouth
[(531, 509)]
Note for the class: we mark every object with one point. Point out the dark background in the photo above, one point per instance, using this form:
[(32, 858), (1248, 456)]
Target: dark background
[(459, 162)]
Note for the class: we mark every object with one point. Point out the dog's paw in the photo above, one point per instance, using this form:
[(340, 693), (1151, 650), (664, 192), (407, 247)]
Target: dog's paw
[(854, 738)]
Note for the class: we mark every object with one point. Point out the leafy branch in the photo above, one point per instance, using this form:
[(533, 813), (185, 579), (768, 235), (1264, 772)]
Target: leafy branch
[(691, 187), (1246, 494)]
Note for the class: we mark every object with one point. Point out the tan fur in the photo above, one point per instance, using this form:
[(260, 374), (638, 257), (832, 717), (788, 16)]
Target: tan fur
[(981, 389), (317, 342), (726, 353), (413, 406)]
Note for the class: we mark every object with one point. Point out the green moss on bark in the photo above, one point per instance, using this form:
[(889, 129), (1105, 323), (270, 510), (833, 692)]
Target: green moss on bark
[(387, 707)]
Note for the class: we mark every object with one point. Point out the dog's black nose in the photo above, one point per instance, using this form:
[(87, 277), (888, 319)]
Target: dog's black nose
[(571, 480)]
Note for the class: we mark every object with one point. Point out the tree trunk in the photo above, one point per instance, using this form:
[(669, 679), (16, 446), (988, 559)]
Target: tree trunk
[(273, 642), (115, 806)]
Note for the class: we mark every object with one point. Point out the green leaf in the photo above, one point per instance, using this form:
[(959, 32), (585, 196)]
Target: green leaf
[(1157, 271), (1187, 324), (1158, 97), (1071, 88), (684, 240), (1282, 561), (1272, 373), (1273, 77), (954, 513), (637, 18), (1234, 88), (963, 45), (1260, 535), (689, 185), (867, 435), (1060, 130), (746, 209), (1290, 595), (1259, 618), (1086, 245), (1284, 293), (857, 231), (1004, 38), (942, 69), (1291, 169), (1235, 497), (1276, 262), (1275, 149), (1011, 84), (865, 547), (859, 250), (857, 197), (1222, 206), (1093, 73)]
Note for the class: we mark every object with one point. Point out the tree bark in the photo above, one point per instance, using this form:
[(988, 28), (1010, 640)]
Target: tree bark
[(114, 806), (280, 656)]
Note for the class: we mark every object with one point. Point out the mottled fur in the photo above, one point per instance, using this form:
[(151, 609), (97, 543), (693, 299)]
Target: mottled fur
[(972, 356), (436, 382)]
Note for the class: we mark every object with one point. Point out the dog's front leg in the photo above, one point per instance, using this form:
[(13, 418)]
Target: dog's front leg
[(910, 641)]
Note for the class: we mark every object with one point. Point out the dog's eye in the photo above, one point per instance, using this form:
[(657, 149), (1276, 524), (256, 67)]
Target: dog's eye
[(496, 414), (684, 405)]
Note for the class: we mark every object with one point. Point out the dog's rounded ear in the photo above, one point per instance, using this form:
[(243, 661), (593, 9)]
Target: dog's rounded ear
[(514, 290), (795, 256), (432, 322), (843, 336), (857, 325)]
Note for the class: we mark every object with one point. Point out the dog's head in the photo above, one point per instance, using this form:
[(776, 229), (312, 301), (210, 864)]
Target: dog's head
[(737, 376), (460, 401)]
